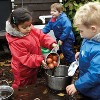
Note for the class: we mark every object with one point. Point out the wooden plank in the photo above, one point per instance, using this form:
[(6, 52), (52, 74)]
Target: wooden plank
[(43, 1), (35, 1), (2, 34), (36, 15), (36, 7)]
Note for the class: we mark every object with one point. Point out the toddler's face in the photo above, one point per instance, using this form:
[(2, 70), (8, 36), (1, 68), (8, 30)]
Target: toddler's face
[(85, 32), (54, 13), (25, 27)]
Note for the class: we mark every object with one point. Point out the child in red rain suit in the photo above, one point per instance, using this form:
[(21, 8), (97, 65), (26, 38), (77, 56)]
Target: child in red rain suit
[(25, 43)]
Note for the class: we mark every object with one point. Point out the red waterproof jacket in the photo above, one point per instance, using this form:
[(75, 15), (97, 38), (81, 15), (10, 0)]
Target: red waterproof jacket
[(27, 55)]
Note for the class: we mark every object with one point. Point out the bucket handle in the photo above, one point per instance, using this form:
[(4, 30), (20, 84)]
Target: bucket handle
[(5, 81), (54, 50)]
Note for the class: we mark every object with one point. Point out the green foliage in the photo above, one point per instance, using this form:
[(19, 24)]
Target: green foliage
[(71, 7)]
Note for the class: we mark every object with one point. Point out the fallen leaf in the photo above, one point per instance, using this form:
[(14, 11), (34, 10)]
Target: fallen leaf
[(61, 94)]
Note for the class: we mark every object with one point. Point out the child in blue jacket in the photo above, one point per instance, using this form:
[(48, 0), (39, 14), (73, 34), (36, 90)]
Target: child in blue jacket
[(87, 20), (62, 28)]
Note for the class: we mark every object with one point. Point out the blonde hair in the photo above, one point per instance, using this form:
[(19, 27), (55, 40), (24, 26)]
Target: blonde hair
[(88, 14), (57, 6)]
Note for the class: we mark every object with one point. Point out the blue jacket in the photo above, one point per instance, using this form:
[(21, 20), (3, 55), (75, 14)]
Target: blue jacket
[(62, 28), (89, 66)]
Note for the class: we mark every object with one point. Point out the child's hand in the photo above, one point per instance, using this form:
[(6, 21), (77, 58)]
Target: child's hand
[(60, 42), (45, 65), (70, 89), (54, 45), (77, 55)]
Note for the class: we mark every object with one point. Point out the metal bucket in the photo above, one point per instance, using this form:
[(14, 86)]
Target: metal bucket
[(60, 79), (53, 52), (5, 91)]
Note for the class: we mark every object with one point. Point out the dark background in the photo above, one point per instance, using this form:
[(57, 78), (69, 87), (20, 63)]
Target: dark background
[(5, 10)]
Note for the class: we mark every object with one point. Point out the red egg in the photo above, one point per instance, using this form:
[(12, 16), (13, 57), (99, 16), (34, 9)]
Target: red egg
[(55, 63), (51, 66), (49, 60), (55, 57)]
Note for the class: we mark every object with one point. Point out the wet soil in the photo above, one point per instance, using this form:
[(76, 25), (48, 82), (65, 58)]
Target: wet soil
[(39, 91)]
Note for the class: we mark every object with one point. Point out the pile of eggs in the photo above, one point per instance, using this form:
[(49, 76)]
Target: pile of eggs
[(52, 60)]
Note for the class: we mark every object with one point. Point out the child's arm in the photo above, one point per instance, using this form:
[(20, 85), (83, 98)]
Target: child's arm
[(46, 40), (67, 29), (47, 28), (23, 56)]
